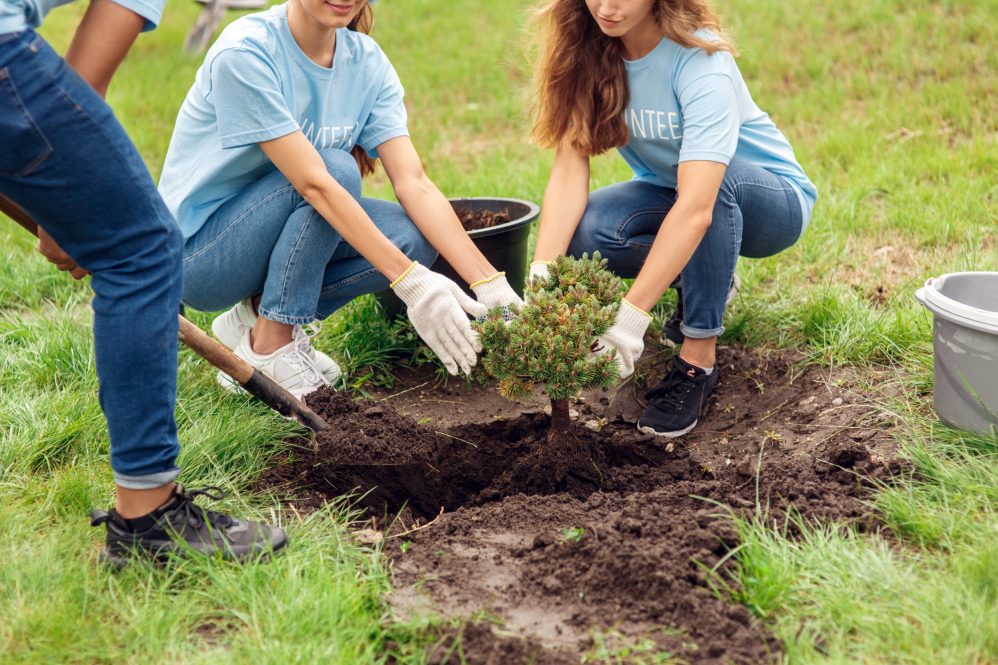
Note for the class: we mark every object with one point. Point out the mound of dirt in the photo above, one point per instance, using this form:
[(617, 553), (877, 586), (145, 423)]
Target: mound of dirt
[(630, 554)]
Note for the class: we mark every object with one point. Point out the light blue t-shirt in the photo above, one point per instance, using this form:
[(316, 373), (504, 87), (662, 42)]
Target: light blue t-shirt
[(686, 105), (255, 85), (17, 15)]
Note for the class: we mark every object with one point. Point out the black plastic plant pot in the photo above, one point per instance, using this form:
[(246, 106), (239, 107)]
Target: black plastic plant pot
[(504, 245)]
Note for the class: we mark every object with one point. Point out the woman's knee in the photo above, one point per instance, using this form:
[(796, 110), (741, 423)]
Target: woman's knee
[(343, 167)]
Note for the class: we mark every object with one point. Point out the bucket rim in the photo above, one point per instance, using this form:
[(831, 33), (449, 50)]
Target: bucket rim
[(953, 310), (533, 211)]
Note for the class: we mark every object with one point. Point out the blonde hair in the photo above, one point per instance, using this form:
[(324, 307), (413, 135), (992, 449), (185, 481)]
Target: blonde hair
[(580, 82)]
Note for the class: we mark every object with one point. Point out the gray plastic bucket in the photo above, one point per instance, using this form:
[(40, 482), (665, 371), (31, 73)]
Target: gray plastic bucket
[(965, 343)]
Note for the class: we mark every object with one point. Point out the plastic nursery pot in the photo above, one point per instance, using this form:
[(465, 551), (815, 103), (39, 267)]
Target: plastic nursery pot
[(504, 245)]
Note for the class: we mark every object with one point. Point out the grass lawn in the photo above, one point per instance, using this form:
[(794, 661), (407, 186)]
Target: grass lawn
[(891, 107)]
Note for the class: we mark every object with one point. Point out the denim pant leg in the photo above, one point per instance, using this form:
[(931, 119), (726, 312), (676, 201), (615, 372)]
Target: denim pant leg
[(69, 164), (620, 222), (756, 214), (269, 241), (349, 275), (266, 241)]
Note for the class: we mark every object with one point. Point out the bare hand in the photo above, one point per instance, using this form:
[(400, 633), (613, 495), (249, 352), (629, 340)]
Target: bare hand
[(51, 250)]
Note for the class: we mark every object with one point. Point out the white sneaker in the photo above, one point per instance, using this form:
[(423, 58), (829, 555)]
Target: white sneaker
[(230, 328), (291, 366)]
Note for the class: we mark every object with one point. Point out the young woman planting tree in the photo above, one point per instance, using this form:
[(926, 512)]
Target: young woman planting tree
[(264, 176), (714, 177)]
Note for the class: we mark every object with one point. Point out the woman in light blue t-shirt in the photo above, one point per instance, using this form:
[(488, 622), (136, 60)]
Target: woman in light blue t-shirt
[(263, 174), (713, 176)]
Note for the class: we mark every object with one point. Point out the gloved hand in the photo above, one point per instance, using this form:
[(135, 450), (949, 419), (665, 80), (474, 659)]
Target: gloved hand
[(539, 270), (626, 335), (438, 310), (496, 292)]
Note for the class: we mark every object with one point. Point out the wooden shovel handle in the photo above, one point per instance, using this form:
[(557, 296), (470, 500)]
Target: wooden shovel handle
[(267, 390)]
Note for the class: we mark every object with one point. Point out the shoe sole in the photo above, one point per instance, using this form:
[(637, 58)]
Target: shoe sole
[(118, 562), (666, 435)]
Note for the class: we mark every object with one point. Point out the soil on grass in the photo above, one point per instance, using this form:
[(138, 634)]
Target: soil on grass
[(472, 220), (617, 557)]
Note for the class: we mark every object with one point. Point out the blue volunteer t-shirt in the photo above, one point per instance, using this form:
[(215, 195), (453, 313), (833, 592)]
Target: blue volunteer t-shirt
[(17, 15), (255, 85), (687, 105)]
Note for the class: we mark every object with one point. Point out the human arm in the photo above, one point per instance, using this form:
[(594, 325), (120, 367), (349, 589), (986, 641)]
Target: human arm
[(565, 200), (680, 233), (102, 41), (677, 239), (435, 218), (296, 158)]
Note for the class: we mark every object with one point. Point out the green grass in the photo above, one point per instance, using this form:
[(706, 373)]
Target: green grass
[(890, 107)]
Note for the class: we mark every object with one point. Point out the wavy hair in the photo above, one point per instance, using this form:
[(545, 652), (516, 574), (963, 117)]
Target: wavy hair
[(363, 22), (580, 82)]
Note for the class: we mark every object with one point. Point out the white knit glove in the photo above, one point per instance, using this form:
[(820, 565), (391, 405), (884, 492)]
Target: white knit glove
[(496, 292), (438, 309), (539, 270), (626, 336)]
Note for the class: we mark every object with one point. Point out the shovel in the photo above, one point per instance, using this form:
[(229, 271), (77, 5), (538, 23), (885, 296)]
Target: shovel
[(247, 376)]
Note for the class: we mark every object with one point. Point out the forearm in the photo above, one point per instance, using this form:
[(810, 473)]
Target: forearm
[(677, 240), (102, 41), (435, 218), (565, 200), (345, 215)]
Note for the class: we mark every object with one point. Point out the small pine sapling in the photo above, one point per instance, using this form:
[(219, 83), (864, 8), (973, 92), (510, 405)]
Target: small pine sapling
[(549, 342)]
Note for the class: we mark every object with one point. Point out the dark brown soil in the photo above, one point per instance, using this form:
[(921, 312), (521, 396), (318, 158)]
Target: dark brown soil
[(618, 554), (481, 219)]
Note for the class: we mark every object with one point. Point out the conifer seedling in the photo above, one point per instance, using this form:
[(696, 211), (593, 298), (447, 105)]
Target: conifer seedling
[(550, 340)]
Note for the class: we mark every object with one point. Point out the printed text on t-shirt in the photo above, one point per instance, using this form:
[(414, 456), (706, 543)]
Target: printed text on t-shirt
[(332, 136), (651, 124)]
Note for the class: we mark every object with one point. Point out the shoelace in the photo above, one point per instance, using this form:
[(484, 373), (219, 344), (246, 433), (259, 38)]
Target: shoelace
[(304, 361), (673, 390), (195, 514)]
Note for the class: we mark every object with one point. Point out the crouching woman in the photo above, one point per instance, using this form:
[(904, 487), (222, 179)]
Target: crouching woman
[(263, 174), (714, 179)]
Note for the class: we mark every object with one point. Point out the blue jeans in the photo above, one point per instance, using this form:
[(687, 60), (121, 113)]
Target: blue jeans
[(757, 214), (69, 164), (269, 241)]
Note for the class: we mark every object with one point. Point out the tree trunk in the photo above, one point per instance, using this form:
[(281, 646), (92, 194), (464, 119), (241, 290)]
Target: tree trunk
[(561, 423)]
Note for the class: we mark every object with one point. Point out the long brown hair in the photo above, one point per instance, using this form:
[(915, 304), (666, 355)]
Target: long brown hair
[(363, 22), (580, 82)]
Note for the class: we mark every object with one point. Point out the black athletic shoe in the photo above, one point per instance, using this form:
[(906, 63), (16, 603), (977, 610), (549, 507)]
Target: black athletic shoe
[(672, 332), (674, 405), (181, 526)]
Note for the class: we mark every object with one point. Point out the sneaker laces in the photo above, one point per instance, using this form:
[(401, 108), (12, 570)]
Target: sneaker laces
[(195, 514), (673, 390), (301, 357)]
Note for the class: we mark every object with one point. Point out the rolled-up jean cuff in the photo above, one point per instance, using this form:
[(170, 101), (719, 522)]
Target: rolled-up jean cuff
[(287, 320), (694, 333), (147, 482)]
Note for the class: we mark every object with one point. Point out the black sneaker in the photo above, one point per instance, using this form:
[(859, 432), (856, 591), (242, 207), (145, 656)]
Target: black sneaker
[(181, 526), (672, 331), (674, 405)]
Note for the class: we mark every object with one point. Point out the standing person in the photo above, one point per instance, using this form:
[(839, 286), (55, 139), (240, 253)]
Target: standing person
[(713, 176), (68, 164), (264, 174)]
